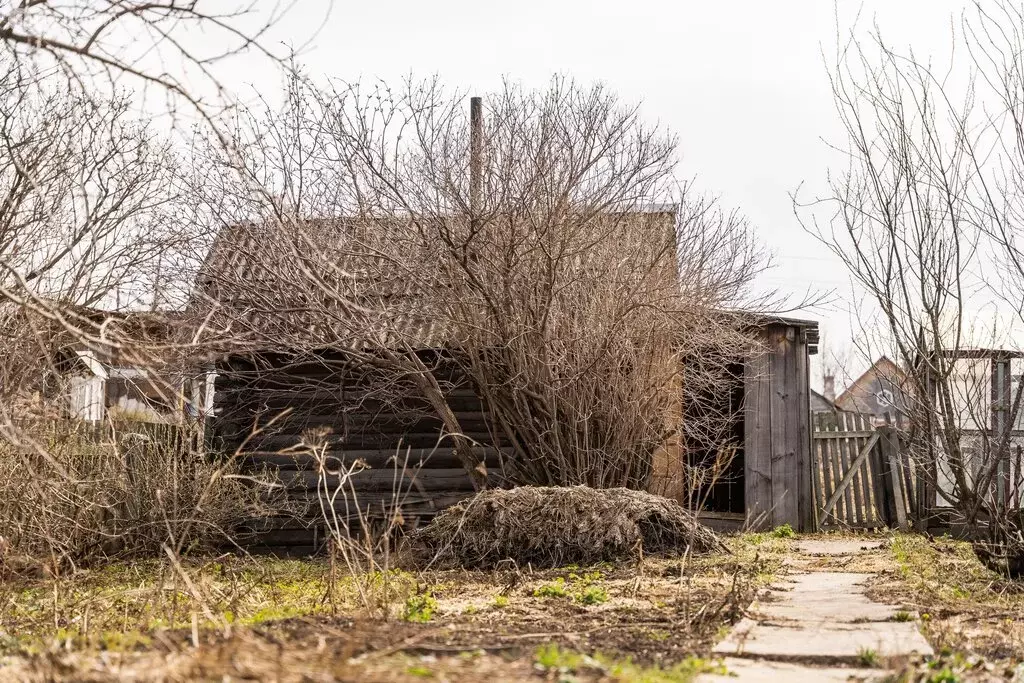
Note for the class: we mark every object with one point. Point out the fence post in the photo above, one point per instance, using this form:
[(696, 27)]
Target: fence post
[(884, 494), (896, 479)]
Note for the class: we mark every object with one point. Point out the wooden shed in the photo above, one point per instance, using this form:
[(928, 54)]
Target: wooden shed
[(293, 398), (767, 481), (289, 411)]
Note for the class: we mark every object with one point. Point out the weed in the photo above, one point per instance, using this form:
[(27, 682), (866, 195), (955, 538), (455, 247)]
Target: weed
[(902, 615), (551, 657), (555, 589), (945, 675), (592, 595), (658, 635), (581, 587), (868, 658), (419, 671), (501, 601), (683, 672), (586, 579), (960, 593), (419, 608), (783, 531)]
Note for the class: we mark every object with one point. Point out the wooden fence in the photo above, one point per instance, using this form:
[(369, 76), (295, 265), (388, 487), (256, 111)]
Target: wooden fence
[(862, 478)]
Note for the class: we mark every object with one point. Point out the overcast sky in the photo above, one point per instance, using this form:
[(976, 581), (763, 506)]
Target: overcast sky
[(742, 83)]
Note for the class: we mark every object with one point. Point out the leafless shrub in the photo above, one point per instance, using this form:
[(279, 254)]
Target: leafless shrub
[(72, 495), (569, 283)]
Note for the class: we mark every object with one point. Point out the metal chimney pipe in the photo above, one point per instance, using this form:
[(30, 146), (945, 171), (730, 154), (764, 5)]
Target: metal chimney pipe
[(476, 144)]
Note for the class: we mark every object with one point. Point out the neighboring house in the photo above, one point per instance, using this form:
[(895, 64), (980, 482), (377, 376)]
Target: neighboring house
[(984, 384), (979, 394), (879, 392), (288, 376), (104, 387), (93, 380), (821, 404)]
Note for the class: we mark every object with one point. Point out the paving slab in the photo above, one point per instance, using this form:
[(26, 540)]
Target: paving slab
[(828, 597), (766, 671), (840, 643), (822, 616)]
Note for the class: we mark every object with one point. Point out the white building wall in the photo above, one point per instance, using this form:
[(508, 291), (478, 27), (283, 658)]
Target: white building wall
[(87, 397)]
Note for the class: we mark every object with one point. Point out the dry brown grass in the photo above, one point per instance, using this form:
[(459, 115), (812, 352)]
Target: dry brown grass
[(71, 497), (964, 607), (294, 620)]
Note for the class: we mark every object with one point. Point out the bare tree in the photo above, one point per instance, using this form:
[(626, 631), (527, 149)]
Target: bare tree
[(925, 219), (570, 283), (174, 45), (85, 208)]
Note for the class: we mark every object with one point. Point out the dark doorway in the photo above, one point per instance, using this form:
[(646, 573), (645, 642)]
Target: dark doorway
[(713, 437)]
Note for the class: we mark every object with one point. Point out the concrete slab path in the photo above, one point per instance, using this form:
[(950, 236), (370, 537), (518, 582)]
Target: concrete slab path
[(818, 626)]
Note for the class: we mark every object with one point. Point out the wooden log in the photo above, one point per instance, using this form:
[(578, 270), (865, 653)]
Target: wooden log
[(441, 458)]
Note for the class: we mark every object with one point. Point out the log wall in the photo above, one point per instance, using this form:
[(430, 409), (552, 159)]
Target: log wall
[(285, 415)]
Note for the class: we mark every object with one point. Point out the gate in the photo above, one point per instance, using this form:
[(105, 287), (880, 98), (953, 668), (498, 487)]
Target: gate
[(861, 479)]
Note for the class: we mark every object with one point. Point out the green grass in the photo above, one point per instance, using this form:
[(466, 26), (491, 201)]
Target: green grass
[(552, 658), (868, 658), (419, 608)]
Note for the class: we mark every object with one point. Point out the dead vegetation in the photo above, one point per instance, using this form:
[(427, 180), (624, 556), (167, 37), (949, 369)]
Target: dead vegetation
[(71, 497), (964, 607), (303, 620), (555, 526)]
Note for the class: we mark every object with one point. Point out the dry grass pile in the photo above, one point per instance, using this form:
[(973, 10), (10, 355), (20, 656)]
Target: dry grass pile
[(556, 526)]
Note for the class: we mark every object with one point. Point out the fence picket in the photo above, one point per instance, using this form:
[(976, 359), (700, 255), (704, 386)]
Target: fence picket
[(865, 480)]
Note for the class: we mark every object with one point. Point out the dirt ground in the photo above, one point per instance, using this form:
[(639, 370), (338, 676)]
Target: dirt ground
[(651, 620)]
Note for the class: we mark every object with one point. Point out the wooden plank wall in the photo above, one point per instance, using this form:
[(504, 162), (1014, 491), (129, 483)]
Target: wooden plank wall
[(779, 487), (271, 409)]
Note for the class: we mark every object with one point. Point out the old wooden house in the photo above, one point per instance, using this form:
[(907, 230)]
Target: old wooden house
[(296, 392)]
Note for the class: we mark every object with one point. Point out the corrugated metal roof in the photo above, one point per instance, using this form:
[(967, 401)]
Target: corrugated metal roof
[(332, 283), (320, 283)]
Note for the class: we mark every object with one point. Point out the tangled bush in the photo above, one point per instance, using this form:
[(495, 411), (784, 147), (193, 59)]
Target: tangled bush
[(555, 526), (72, 494)]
